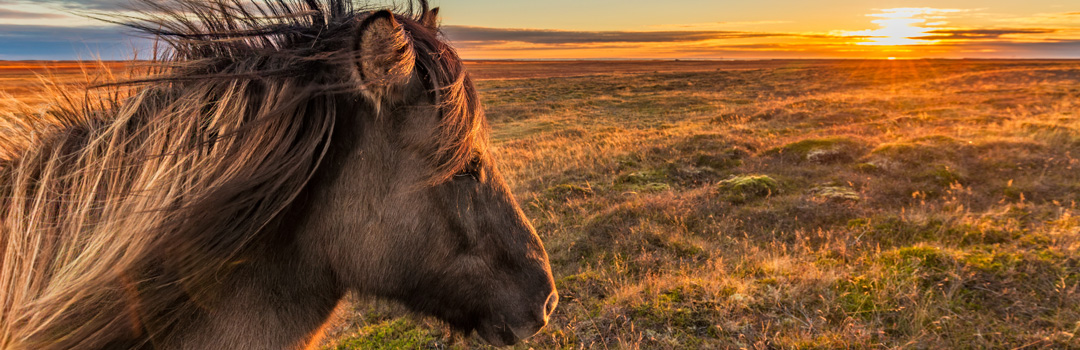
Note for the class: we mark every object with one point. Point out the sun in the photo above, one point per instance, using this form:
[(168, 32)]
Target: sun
[(892, 58), (898, 31), (902, 26)]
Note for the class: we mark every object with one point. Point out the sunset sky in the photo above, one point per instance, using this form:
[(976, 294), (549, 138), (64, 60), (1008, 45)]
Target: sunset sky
[(575, 29)]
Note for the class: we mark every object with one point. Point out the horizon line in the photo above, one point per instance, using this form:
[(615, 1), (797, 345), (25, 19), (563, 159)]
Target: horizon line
[(667, 59)]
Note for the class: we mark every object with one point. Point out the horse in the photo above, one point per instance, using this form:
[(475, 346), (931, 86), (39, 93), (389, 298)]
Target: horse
[(281, 155)]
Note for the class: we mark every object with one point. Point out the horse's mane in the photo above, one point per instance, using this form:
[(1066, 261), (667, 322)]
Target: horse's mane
[(158, 188)]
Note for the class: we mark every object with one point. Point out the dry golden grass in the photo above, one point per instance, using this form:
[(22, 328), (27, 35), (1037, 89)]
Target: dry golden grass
[(788, 204), (24, 80), (806, 204)]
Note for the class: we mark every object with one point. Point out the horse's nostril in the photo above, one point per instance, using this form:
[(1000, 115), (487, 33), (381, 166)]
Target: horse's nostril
[(549, 306)]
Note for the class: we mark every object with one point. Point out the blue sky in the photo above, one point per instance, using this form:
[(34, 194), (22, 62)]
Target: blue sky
[(43, 29)]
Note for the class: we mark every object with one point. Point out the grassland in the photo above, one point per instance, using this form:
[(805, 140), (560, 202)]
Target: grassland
[(24, 80), (789, 205), (857, 204)]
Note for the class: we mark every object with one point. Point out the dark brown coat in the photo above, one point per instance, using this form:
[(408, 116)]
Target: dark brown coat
[(286, 153)]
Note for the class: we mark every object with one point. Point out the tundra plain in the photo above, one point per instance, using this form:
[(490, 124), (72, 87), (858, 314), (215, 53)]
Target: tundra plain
[(853, 204)]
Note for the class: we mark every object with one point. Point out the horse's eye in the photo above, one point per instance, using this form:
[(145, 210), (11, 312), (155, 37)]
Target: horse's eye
[(471, 171)]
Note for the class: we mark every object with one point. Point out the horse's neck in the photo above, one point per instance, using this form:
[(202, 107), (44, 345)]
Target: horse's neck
[(284, 296), (270, 302)]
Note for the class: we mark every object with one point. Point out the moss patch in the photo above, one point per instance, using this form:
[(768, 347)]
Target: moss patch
[(570, 191), (921, 152), (652, 180), (824, 150), (740, 189)]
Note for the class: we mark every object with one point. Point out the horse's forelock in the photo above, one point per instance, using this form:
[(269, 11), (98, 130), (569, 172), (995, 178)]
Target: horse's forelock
[(462, 127)]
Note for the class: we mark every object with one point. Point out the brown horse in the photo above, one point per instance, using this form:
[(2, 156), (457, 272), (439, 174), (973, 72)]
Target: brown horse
[(286, 153)]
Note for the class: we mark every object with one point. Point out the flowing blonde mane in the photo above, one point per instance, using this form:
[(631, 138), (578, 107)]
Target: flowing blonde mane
[(159, 188)]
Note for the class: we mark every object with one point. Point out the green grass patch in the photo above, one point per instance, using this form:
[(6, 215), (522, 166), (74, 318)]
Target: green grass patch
[(744, 188), (570, 191), (651, 180), (392, 334), (840, 149)]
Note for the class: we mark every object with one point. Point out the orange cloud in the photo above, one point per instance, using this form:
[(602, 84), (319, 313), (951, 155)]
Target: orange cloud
[(904, 26), (980, 34)]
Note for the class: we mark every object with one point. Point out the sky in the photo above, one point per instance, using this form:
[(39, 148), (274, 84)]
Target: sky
[(639, 29)]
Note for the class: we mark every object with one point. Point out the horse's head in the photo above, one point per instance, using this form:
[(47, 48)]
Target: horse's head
[(415, 209)]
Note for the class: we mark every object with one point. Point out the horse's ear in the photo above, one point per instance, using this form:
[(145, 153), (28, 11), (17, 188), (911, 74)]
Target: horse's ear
[(431, 19), (385, 54)]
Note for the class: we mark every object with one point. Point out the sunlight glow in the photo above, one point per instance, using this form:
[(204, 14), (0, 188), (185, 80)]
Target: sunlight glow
[(43, 14), (43, 29), (904, 26)]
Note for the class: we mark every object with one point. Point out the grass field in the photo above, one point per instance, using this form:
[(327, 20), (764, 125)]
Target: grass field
[(788, 204)]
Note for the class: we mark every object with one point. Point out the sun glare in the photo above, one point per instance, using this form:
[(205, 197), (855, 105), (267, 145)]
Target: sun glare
[(903, 26)]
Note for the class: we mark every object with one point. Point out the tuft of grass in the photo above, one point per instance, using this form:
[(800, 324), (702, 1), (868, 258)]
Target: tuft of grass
[(836, 194), (1056, 134), (740, 189), (839, 149), (651, 180), (900, 155), (570, 190)]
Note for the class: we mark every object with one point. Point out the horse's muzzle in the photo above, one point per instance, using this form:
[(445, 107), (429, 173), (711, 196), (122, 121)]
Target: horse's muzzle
[(510, 333)]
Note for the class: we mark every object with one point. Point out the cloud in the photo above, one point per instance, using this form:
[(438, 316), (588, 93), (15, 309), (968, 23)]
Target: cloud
[(53, 34), (6, 14), (980, 34), (466, 34), (914, 12), (76, 4), (903, 25), (1066, 48), (720, 24), (21, 42)]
